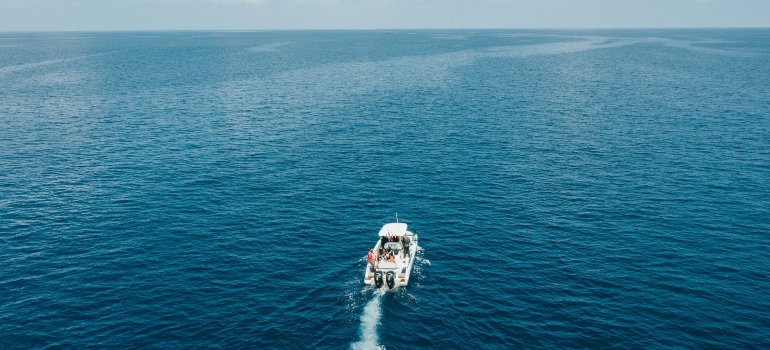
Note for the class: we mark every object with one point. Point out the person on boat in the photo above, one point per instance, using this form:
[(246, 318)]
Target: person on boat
[(405, 242), (392, 258), (373, 267), (370, 256)]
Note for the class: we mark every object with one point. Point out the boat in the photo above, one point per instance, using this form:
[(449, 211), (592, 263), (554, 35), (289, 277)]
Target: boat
[(396, 242)]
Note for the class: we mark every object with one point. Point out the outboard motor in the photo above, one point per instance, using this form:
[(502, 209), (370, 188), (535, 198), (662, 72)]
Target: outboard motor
[(391, 279), (378, 279)]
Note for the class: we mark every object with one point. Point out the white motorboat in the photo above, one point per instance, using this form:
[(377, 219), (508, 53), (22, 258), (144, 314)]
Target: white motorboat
[(393, 257)]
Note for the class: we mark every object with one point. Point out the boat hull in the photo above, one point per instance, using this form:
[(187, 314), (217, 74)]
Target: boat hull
[(401, 267)]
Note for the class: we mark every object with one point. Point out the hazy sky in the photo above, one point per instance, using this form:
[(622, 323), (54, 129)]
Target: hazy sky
[(44, 15)]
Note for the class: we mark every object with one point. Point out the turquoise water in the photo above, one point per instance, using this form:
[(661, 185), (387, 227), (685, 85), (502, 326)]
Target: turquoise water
[(571, 189)]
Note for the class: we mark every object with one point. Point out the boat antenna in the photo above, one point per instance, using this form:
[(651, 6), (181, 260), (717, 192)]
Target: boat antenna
[(396, 217)]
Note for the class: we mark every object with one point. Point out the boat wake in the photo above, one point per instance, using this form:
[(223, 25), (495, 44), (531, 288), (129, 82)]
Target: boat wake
[(369, 321)]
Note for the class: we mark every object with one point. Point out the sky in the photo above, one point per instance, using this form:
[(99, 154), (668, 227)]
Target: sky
[(94, 15)]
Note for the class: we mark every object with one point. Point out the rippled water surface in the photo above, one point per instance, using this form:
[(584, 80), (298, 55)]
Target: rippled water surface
[(571, 189)]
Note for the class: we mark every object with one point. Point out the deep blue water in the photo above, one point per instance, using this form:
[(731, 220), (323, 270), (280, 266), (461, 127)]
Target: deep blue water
[(571, 189)]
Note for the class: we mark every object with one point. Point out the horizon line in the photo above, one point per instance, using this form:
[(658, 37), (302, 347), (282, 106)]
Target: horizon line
[(369, 29)]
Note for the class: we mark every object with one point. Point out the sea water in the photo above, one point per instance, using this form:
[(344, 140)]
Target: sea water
[(571, 189)]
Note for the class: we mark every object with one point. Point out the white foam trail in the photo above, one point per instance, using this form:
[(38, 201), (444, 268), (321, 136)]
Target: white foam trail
[(369, 321)]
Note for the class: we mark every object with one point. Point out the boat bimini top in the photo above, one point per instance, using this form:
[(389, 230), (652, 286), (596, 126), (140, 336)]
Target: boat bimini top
[(393, 229)]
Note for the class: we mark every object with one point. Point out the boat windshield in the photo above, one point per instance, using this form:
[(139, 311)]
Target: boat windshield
[(392, 245)]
